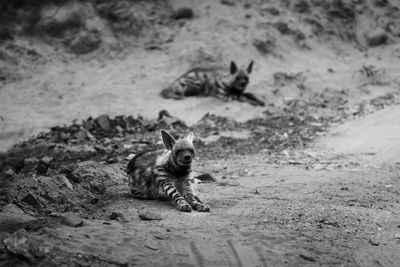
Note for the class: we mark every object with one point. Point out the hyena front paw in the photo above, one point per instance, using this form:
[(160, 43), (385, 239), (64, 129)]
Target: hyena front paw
[(201, 207), (185, 207)]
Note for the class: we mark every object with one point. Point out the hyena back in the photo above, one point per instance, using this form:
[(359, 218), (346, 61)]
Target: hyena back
[(165, 173), (210, 82)]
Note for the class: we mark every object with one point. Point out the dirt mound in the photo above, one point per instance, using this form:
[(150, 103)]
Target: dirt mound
[(68, 168)]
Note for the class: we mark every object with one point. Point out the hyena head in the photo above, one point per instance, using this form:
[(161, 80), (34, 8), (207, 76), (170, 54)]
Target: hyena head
[(240, 77), (182, 150)]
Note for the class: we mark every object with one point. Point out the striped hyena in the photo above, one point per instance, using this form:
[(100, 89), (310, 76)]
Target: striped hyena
[(211, 82), (165, 173)]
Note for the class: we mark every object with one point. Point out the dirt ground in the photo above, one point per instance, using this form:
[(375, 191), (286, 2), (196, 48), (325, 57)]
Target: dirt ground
[(311, 179)]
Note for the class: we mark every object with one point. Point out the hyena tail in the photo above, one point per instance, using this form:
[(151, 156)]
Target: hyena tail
[(170, 93)]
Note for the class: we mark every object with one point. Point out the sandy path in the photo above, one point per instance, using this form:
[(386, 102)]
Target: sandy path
[(262, 215), (373, 139)]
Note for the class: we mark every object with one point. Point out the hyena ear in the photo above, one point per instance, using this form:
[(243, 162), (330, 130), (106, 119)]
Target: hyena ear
[(250, 67), (234, 68), (168, 140), (189, 137)]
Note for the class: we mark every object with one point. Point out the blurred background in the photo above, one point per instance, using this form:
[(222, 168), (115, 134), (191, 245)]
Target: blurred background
[(67, 60)]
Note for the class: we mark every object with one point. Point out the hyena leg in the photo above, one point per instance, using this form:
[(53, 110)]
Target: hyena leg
[(173, 194), (251, 99), (193, 200)]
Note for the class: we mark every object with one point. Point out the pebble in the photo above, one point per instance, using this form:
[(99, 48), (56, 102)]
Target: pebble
[(149, 215), (72, 219)]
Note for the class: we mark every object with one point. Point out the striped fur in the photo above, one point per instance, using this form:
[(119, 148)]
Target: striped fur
[(165, 173), (210, 82)]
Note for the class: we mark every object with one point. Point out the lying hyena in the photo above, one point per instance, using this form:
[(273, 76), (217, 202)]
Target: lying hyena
[(165, 173), (211, 82)]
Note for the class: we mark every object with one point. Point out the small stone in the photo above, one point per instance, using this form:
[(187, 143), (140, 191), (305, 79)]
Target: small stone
[(8, 173), (89, 124), (112, 160), (104, 122), (130, 156), (183, 13), (21, 244), (64, 181), (98, 187), (43, 165), (376, 38), (81, 134), (94, 201), (127, 146), (117, 216), (68, 170), (72, 219), (85, 42), (206, 177), (119, 129), (12, 208), (11, 217), (306, 257), (30, 199), (373, 241), (149, 215), (227, 2), (30, 164), (273, 11)]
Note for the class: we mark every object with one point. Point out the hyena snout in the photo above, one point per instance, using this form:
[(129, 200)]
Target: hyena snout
[(185, 159)]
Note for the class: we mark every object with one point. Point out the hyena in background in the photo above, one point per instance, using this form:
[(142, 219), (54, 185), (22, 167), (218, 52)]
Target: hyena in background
[(210, 82), (165, 173)]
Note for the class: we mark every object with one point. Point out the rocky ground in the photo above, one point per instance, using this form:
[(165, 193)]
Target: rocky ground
[(312, 178)]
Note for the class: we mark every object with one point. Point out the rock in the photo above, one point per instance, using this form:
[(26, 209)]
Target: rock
[(12, 209), (130, 156), (112, 160), (83, 134), (63, 180), (89, 124), (85, 42), (376, 38), (119, 129), (104, 122), (374, 241), (302, 6), (306, 257), (23, 245), (117, 216), (206, 177), (149, 215), (265, 46), (273, 11), (43, 165), (283, 28), (12, 217), (98, 187), (183, 13), (70, 174), (31, 200), (8, 173), (94, 201), (72, 219), (30, 164), (227, 2)]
